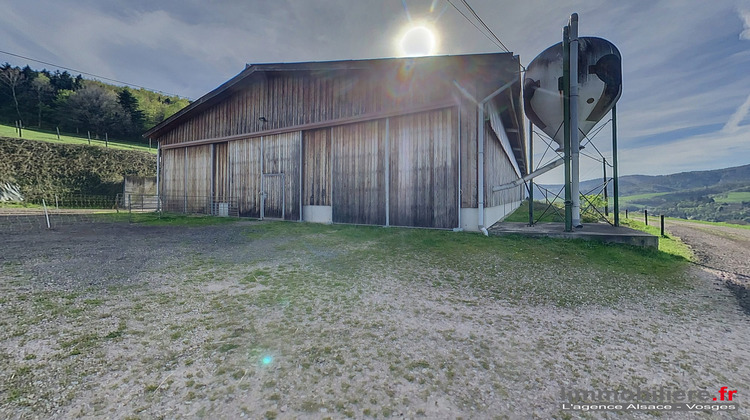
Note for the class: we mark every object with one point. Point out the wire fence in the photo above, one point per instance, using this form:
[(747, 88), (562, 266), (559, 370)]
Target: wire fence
[(55, 211), (198, 205)]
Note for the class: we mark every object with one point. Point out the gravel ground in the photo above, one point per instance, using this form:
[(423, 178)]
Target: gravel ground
[(253, 320), (723, 251)]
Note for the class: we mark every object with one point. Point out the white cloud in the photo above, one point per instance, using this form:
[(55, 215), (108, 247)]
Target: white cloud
[(732, 125), (745, 16), (701, 152)]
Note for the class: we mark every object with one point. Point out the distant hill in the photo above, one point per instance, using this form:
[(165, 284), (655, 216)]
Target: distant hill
[(716, 195), (644, 184)]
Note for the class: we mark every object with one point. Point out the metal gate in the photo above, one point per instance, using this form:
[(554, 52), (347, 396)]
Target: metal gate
[(273, 196)]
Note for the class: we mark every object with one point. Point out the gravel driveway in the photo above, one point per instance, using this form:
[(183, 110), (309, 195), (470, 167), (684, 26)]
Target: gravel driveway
[(724, 251), (286, 320)]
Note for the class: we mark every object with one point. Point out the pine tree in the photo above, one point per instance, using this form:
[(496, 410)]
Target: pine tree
[(129, 104)]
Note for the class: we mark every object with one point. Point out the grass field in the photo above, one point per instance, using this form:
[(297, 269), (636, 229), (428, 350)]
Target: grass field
[(166, 219), (632, 199), (733, 197), (10, 131), (641, 196)]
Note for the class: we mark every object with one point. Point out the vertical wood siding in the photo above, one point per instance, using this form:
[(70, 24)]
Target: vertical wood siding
[(468, 154), (281, 155), (310, 98), (274, 203), (221, 172), (424, 170), (316, 167), (173, 179), (198, 179), (358, 173), (244, 159), (498, 171)]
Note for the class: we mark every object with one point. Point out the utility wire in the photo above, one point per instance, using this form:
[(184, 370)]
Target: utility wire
[(468, 19), (471, 9), (91, 74)]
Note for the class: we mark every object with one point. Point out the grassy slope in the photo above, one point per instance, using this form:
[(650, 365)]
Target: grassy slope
[(9, 131), (41, 169), (668, 244)]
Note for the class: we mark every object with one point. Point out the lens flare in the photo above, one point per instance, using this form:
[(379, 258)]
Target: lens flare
[(267, 360), (418, 41)]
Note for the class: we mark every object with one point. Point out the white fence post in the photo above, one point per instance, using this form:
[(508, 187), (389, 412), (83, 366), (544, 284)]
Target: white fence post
[(46, 215)]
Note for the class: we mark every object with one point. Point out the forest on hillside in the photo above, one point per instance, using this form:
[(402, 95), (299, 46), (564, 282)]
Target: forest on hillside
[(49, 100)]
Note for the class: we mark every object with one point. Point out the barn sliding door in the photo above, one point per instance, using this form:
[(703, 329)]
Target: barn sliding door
[(281, 175), (418, 187), (424, 170), (273, 196), (358, 180)]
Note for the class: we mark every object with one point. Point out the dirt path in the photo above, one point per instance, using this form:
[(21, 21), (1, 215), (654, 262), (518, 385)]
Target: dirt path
[(722, 250)]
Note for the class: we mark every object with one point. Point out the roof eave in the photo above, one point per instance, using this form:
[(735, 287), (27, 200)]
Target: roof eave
[(162, 126)]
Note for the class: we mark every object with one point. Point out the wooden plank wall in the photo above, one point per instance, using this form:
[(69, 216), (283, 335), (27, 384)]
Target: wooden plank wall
[(316, 166), (424, 170), (244, 159), (309, 98), (173, 179), (498, 170), (358, 173), (281, 154), (221, 172), (274, 203), (468, 154), (198, 179)]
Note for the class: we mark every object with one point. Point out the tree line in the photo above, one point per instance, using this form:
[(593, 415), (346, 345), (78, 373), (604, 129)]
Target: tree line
[(48, 100)]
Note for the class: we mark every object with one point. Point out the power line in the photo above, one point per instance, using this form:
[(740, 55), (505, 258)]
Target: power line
[(91, 74), (471, 9), (468, 19)]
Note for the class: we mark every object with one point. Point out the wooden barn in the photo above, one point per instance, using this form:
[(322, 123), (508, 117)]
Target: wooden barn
[(392, 142)]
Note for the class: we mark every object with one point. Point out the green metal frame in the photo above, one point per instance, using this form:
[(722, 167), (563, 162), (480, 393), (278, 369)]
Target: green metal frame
[(566, 128), (615, 176)]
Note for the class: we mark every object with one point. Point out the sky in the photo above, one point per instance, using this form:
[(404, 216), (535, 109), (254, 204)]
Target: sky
[(686, 63)]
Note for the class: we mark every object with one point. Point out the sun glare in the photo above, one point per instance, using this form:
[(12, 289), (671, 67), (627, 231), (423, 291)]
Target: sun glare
[(418, 41)]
